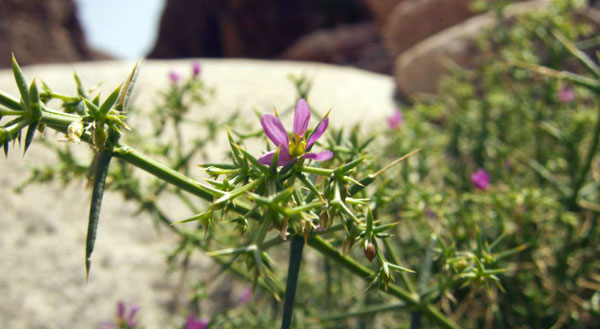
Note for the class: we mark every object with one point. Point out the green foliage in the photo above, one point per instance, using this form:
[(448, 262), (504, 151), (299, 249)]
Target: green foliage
[(407, 239)]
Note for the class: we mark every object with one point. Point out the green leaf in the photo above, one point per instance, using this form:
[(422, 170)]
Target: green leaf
[(309, 184), (369, 230), (580, 55), (34, 100), (235, 151), (81, 92), (350, 165), (362, 183), (200, 216), (125, 95), (91, 107), (6, 148), (30, 133), (10, 102), (96, 100), (109, 102), (21, 83), (102, 165)]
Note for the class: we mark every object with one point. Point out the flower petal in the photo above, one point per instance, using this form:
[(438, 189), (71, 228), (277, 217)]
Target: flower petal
[(318, 132), (121, 310), (284, 157), (480, 179), (131, 320), (301, 117), (274, 130), (321, 156), (266, 158)]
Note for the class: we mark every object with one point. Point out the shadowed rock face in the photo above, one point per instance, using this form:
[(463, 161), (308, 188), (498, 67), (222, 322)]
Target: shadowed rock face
[(357, 45), (41, 31), (246, 28)]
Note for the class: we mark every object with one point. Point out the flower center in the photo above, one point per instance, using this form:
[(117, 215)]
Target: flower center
[(297, 146)]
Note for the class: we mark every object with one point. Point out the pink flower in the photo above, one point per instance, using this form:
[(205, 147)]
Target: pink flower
[(246, 295), (566, 94), (298, 146), (123, 318), (174, 77), (480, 179), (194, 323), (395, 120), (196, 69)]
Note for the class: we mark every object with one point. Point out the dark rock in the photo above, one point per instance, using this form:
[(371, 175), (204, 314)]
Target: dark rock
[(42, 31), (246, 28), (356, 45)]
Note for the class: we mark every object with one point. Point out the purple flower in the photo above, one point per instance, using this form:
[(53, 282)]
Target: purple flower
[(246, 295), (430, 213), (194, 323), (131, 318), (122, 317), (298, 146), (395, 120), (480, 179), (196, 69), (174, 77), (566, 94)]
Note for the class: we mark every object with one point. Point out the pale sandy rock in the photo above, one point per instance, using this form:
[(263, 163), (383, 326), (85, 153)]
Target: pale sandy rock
[(43, 230)]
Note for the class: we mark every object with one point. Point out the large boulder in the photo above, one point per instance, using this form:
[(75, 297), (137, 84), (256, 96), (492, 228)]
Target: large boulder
[(381, 9), (411, 21), (356, 45), (421, 68), (246, 28), (42, 31)]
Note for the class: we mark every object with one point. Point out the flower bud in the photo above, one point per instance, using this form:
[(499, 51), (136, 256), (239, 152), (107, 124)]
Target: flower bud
[(74, 132), (370, 251), (100, 136), (196, 69)]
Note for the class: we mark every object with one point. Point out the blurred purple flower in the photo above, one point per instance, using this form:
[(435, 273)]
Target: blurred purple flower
[(566, 94), (246, 295), (395, 120), (196, 69), (174, 77), (480, 179), (298, 146), (122, 317), (429, 213), (194, 323)]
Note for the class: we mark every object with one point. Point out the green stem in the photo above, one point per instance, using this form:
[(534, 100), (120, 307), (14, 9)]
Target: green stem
[(155, 168), (10, 102), (394, 257), (316, 171), (102, 164), (353, 266), (165, 173), (11, 112), (292, 280), (363, 312)]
